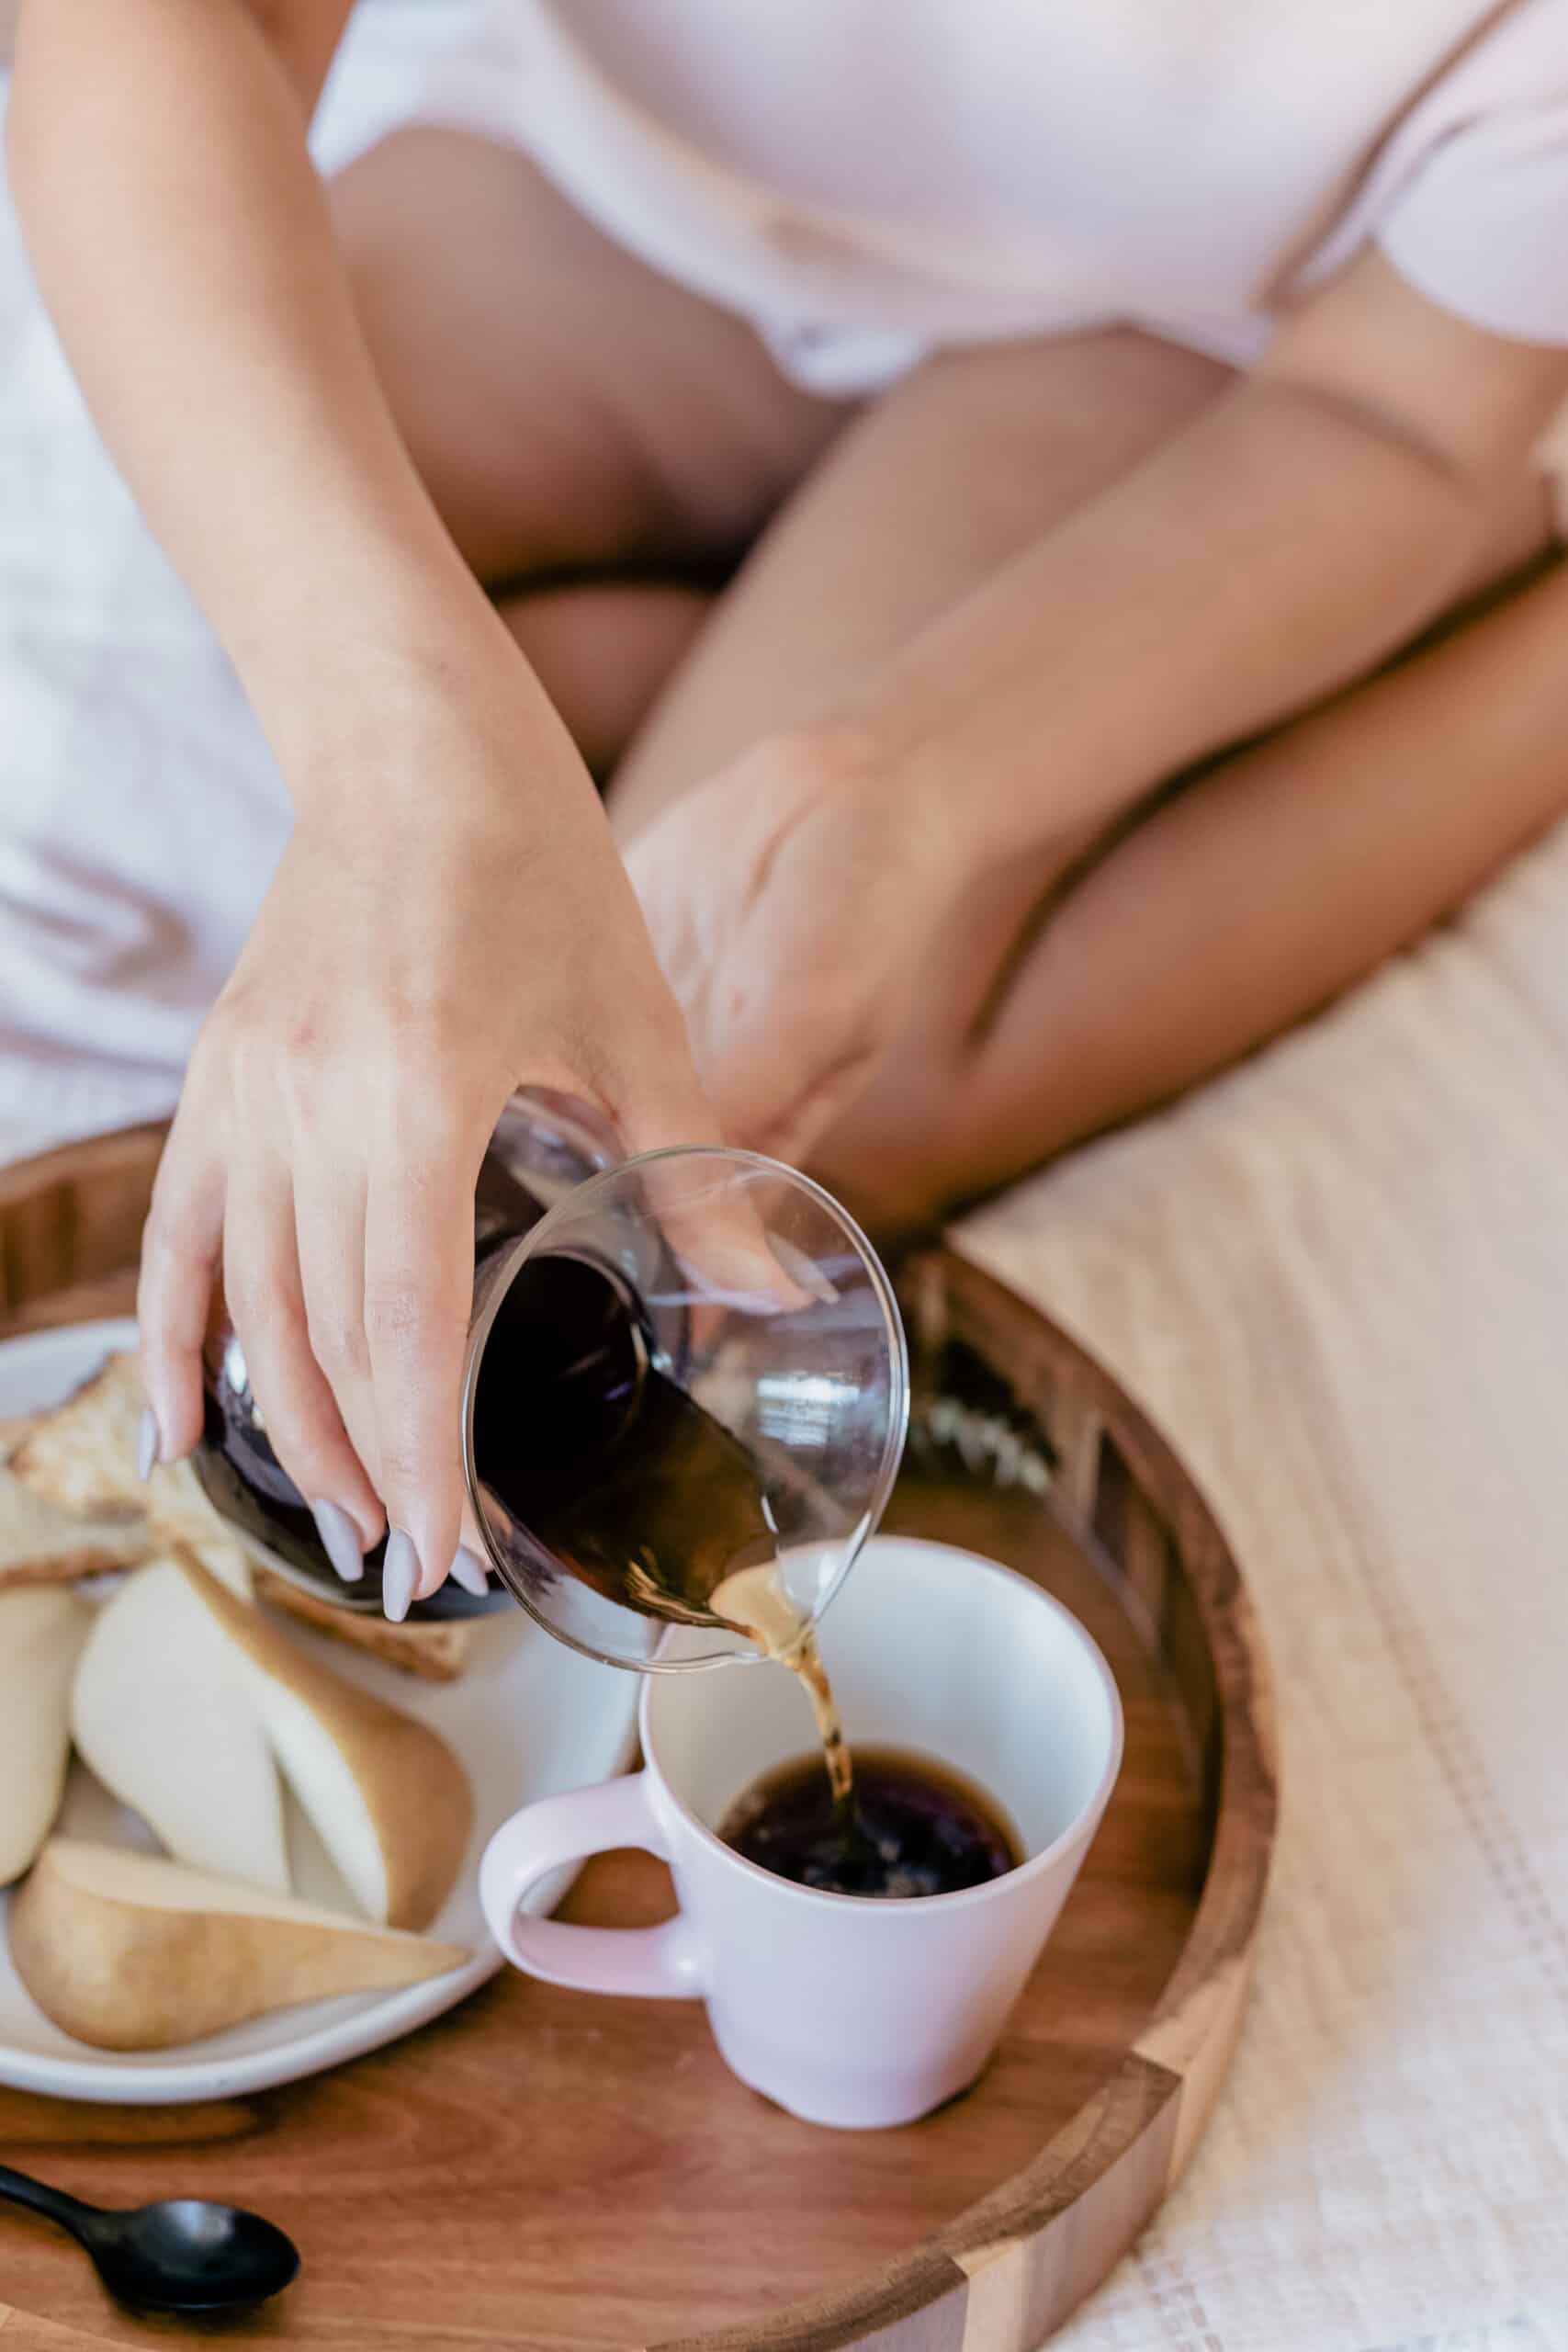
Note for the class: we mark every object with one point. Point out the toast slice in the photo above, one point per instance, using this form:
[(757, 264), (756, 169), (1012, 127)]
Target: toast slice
[(437, 1652), (42, 1545), (81, 1457)]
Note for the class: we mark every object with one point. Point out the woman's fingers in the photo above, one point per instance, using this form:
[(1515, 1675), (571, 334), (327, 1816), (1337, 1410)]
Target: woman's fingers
[(266, 1300), (329, 1236), (717, 1227), (419, 1264), (181, 1251)]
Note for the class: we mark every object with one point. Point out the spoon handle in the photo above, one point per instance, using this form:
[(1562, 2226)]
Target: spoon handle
[(21, 2189)]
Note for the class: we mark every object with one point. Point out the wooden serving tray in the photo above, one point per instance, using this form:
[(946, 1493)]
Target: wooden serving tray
[(549, 2168)]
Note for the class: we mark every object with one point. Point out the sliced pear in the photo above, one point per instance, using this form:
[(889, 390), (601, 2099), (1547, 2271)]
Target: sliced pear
[(42, 1634), (131, 1951), (161, 1712), (385, 1793)]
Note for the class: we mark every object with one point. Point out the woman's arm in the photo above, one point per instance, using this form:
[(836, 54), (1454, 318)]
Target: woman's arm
[(181, 239), (1303, 527), (1296, 532), (450, 919)]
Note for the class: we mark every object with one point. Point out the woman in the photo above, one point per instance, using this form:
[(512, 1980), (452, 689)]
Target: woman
[(1102, 403)]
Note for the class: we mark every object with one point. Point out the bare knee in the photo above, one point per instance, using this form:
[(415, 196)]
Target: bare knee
[(902, 1159), (896, 1202), (937, 1126), (906, 1165), (602, 649)]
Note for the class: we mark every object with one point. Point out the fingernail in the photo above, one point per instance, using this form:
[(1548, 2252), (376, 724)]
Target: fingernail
[(469, 1570), (340, 1539), (147, 1443), (399, 1574), (813, 1279)]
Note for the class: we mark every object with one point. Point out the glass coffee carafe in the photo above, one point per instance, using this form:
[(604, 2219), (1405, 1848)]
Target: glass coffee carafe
[(679, 1366)]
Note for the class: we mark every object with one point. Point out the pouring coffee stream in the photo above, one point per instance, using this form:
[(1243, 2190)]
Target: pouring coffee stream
[(750, 1600), (629, 1481)]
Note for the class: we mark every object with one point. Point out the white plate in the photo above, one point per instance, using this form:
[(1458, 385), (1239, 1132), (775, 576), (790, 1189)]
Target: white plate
[(527, 1718)]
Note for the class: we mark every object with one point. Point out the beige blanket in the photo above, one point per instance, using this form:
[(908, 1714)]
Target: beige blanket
[(1339, 1281)]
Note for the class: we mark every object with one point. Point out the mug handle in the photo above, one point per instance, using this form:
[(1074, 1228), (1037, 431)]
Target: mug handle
[(664, 1962)]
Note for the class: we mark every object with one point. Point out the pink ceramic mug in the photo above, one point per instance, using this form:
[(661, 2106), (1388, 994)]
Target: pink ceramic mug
[(847, 2011)]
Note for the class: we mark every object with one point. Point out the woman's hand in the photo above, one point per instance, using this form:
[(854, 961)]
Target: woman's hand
[(792, 900), (464, 928)]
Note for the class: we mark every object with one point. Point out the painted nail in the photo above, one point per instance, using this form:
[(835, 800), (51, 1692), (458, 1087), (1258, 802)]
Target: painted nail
[(340, 1539), (147, 1443), (399, 1574), (813, 1279), (469, 1571)]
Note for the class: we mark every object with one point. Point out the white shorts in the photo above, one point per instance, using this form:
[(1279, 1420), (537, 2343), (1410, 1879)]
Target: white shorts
[(506, 73), (503, 69)]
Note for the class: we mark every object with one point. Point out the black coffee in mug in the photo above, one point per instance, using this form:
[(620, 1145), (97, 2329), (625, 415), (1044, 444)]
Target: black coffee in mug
[(913, 1826)]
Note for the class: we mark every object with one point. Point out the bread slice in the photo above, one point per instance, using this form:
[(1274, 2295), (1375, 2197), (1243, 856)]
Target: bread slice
[(81, 1455), (12, 1430), (42, 1545), (82, 1458), (435, 1652)]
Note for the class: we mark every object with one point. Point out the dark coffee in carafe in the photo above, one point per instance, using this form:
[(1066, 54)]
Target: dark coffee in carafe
[(619, 1476)]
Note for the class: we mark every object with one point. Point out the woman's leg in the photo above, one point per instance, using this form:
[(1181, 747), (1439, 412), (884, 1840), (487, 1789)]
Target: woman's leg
[(598, 440), (1072, 992), (1242, 902), (918, 499), (603, 649)]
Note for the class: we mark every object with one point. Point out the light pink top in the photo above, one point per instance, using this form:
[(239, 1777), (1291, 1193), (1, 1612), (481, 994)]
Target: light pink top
[(952, 170)]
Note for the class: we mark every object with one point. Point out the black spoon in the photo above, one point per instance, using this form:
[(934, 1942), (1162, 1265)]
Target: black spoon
[(180, 2255)]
